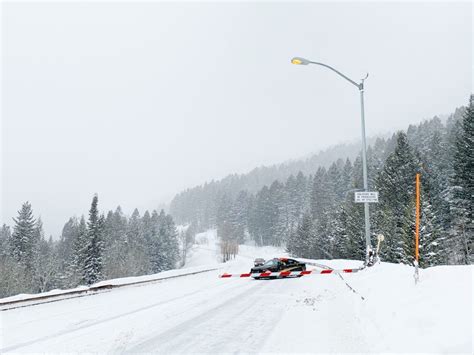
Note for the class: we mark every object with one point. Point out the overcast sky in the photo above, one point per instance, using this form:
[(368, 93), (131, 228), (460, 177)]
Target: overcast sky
[(137, 101)]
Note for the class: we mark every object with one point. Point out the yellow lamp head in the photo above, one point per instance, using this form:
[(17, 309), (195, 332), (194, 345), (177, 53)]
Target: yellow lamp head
[(300, 61)]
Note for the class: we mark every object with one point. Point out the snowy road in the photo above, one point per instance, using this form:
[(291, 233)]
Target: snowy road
[(201, 314), (224, 325), (204, 314)]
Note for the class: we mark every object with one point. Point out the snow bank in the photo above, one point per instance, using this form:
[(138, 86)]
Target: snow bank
[(397, 316), (62, 294), (27, 296)]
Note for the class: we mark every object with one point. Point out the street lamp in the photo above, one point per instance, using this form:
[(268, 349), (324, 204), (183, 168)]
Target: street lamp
[(360, 86)]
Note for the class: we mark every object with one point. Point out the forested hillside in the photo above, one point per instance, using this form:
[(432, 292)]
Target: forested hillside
[(314, 215), (200, 203), (99, 248)]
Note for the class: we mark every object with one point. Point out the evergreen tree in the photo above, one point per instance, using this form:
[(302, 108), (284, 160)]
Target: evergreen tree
[(66, 253), (136, 249), (116, 250), (23, 245), (260, 223), (462, 205), (187, 238), (302, 240), (323, 209), (240, 211), (147, 230), (349, 221), (347, 172), (350, 243), (395, 209), (93, 245), (66, 249), (303, 193), (168, 241), (5, 236), (171, 243), (277, 216), (164, 248), (47, 268), (12, 280), (155, 249), (293, 203), (431, 238), (80, 248), (41, 256), (437, 164)]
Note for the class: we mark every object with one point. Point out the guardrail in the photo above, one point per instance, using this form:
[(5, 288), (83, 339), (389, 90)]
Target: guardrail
[(89, 291)]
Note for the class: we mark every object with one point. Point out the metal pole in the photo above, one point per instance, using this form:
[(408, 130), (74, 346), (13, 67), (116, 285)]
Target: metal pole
[(360, 86), (364, 171)]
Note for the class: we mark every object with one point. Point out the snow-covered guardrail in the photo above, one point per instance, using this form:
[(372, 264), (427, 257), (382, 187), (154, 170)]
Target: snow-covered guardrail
[(59, 295), (291, 273)]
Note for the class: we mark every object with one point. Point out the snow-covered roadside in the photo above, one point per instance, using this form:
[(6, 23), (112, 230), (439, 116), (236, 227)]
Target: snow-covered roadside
[(124, 281), (203, 313), (204, 255), (28, 296), (198, 263), (434, 316)]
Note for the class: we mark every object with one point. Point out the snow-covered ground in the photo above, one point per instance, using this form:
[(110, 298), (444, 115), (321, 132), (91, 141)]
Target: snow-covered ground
[(205, 314), (206, 252)]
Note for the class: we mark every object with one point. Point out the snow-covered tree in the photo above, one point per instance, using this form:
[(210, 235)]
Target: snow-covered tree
[(47, 266), (350, 242), (395, 209), (5, 235), (462, 205), (24, 241), (137, 262), (323, 210), (13, 278), (167, 235), (93, 245), (301, 241)]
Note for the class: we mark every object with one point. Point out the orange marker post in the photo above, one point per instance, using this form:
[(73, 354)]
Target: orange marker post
[(417, 223), (417, 226)]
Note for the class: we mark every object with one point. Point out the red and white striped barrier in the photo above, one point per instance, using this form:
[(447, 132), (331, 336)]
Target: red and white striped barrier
[(290, 273)]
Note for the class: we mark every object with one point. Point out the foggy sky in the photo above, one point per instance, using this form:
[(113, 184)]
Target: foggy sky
[(137, 101)]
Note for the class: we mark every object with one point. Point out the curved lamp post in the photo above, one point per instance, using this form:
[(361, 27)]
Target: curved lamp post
[(360, 86)]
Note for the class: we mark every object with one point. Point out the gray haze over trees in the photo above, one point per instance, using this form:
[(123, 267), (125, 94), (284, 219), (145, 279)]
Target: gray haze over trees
[(139, 100), (312, 216)]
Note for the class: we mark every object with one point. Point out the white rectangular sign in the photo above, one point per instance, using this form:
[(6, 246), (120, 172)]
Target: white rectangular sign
[(366, 196)]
